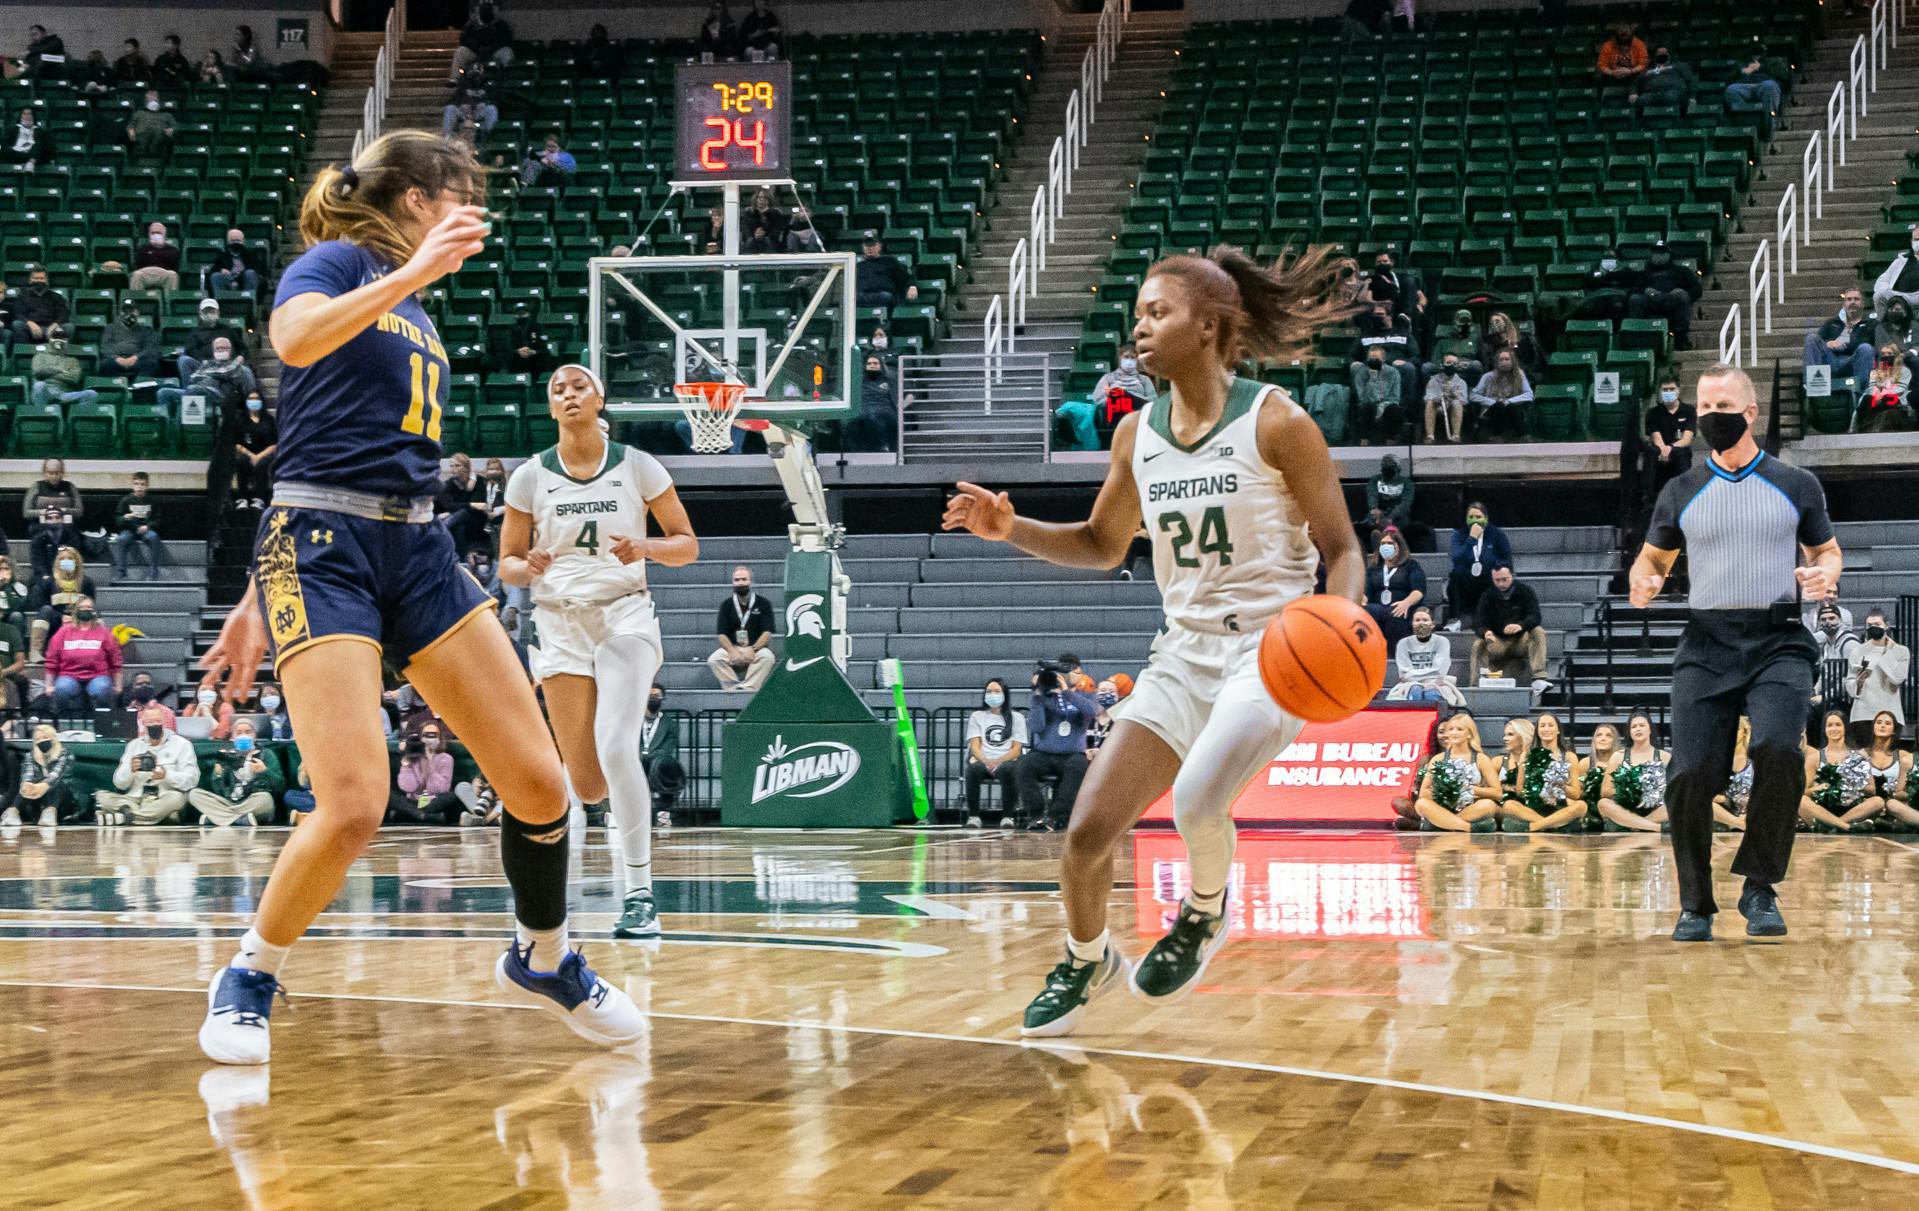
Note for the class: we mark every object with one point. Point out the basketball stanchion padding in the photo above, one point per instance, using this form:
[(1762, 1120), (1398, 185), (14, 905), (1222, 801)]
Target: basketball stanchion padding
[(711, 409), (1322, 659)]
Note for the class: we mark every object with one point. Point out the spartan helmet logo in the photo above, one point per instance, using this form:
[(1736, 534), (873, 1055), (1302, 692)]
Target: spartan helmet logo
[(803, 616)]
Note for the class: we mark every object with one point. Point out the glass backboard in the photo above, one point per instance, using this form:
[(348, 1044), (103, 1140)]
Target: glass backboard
[(781, 324)]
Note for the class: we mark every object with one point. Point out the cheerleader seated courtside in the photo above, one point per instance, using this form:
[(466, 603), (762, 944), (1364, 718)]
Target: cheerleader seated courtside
[(1460, 792), (349, 562), (1633, 797), (1838, 778), (1884, 804), (575, 533)]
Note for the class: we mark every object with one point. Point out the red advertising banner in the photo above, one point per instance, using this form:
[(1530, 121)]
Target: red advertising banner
[(1293, 885), (1348, 770)]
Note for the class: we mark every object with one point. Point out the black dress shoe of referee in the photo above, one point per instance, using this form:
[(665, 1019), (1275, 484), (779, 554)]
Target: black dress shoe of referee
[(1692, 927), (1760, 907)]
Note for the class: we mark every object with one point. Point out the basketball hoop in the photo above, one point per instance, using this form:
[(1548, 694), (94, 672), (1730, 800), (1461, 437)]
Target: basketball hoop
[(710, 410)]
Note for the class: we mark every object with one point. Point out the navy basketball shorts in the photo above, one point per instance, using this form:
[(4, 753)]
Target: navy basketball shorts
[(322, 576)]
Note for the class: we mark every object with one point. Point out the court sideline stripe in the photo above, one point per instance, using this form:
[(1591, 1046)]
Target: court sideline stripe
[(1345, 1078)]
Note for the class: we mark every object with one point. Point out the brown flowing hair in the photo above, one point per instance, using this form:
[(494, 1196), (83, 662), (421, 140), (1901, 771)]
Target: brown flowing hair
[(1265, 314), (361, 201)]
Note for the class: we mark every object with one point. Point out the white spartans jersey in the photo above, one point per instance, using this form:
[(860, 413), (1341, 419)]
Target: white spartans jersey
[(1229, 545), (578, 519)]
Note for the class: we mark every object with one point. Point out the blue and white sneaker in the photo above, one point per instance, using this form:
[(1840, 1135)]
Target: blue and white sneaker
[(239, 1002), (592, 1008)]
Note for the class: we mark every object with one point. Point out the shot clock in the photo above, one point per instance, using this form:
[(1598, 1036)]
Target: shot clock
[(735, 123)]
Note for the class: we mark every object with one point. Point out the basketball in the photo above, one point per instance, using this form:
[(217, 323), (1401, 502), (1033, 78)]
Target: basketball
[(1322, 659)]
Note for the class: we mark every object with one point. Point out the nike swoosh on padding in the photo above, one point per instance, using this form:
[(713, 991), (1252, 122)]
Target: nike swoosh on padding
[(794, 666)]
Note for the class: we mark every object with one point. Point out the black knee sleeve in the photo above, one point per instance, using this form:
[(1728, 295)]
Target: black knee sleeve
[(535, 857)]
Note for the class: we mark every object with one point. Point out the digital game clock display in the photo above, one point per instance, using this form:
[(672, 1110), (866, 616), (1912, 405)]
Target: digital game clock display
[(735, 122)]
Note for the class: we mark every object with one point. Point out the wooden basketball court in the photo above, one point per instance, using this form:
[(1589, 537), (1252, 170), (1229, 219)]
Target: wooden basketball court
[(1402, 1020)]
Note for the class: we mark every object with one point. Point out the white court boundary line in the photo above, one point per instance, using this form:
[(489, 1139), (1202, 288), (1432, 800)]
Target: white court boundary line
[(1345, 1078)]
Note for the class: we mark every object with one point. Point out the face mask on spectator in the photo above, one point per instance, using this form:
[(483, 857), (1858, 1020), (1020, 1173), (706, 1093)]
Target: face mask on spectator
[(995, 699), (1108, 697), (142, 693), (1829, 625), (221, 355), (243, 743), (153, 107), (1449, 369), (655, 704), (1128, 364), (1668, 396), (45, 746), (84, 615), (1875, 632), (879, 340), (155, 731), (66, 565), (1376, 362), (269, 703), (56, 343), (206, 697), (1423, 628), (156, 238), (1387, 550), (1475, 519), (130, 317), (254, 403), (37, 287)]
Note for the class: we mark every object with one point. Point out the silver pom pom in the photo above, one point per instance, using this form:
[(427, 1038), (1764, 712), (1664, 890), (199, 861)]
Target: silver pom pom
[(1739, 789), (1855, 778), (1553, 786), (1654, 781)]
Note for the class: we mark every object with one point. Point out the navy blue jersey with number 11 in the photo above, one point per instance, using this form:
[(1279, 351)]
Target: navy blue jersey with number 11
[(367, 416)]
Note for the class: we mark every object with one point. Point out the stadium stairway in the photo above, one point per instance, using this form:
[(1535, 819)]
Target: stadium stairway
[(166, 613), (1101, 187), (1830, 263)]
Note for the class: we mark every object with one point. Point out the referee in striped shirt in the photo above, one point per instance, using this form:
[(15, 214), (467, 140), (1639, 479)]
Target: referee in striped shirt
[(1743, 518)]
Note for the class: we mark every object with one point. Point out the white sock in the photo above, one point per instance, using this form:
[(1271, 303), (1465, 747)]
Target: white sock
[(258, 954), (546, 946), (1087, 952), (639, 876), (1210, 905)]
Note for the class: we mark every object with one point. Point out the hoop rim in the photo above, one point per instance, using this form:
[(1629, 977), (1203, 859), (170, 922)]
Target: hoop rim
[(718, 397)]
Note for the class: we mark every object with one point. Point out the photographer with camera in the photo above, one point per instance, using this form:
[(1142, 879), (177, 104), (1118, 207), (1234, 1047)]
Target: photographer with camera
[(246, 783), (1056, 720), (423, 788), (156, 771)]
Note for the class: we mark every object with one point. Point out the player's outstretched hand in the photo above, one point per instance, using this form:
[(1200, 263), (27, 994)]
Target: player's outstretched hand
[(627, 549), (461, 234), (987, 514), (538, 561), (236, 655), (1814, 584), (1645, 589)]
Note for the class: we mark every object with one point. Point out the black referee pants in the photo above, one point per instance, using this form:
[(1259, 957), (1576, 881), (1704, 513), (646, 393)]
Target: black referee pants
[(1732, 663)]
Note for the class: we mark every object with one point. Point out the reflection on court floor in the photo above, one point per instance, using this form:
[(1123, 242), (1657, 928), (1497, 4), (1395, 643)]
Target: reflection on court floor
[(1401, 1020)]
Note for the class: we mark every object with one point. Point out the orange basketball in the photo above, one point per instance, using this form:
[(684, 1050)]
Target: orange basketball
[(1322, 659)]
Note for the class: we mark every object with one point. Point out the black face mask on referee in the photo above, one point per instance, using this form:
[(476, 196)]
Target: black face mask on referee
[(1722, 430)]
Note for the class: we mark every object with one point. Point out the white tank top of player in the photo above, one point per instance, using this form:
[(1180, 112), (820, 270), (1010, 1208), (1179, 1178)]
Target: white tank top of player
[(578, 520), (1229, 545)]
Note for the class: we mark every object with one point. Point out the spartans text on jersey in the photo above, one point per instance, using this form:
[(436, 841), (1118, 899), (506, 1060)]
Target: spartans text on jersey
[(1184, 489)]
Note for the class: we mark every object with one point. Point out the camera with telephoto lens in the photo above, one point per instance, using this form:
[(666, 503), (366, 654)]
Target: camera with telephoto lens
[(1050, 676), (414, 746)]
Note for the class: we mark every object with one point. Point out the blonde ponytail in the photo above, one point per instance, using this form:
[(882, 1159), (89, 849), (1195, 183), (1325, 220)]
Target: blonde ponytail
[(361, 202)]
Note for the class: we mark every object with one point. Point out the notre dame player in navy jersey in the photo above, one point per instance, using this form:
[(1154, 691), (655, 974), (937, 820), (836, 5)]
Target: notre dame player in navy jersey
[(349, 562)]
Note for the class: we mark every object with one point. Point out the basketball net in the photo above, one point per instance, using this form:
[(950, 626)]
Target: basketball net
[(710, 410)]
